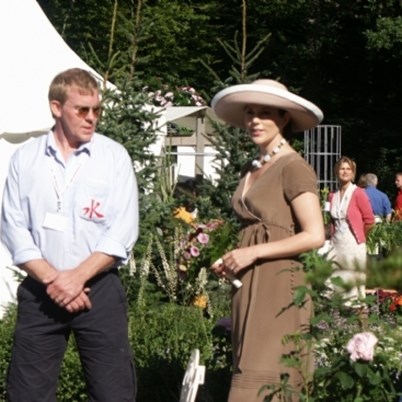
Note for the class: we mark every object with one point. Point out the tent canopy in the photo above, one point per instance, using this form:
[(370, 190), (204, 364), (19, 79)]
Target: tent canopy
[(31, 53)]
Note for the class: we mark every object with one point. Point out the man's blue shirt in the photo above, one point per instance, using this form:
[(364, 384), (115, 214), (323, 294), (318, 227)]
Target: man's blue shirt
[(380, 202)]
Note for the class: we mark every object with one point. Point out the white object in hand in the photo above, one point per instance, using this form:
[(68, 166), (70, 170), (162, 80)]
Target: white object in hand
[(234, 281)]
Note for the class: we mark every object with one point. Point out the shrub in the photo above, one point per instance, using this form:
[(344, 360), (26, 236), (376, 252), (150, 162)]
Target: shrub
[(6, 336), (163, 337)]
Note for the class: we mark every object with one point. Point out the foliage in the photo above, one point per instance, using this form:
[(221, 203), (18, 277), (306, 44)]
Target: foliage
[(385, 238), (163, 338), (386, 272), (6, 335), (180, 260), (130, 120), (233, 150), (71, 386), (343, 56), (332, 328), (326, 215), (387, 34)]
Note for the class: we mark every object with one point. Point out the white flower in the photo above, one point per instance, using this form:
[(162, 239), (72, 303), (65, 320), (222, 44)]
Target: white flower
[(361, 346)]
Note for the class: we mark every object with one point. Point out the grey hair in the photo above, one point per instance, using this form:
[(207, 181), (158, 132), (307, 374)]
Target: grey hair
[(371, 179)]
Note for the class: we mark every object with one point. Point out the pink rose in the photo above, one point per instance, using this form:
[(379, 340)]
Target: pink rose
[(361, 346), (203, 238)]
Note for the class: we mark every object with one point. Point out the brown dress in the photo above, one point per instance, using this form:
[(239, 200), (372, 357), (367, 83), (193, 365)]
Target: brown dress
[(259, 322)]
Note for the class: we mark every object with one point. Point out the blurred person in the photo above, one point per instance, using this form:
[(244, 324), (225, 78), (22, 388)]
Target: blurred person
[(70, 219), (352, 218), (278, 205), (398, 199), (380, 203), (362, 181)]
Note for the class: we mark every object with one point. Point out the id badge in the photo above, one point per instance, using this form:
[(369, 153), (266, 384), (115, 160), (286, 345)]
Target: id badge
[(55, 222)]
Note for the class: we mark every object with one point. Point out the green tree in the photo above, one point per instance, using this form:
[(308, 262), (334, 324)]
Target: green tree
[(343, 56)]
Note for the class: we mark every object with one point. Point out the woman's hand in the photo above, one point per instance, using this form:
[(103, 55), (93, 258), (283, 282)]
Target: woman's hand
[(219, 268), (234, 261), (239, 259)]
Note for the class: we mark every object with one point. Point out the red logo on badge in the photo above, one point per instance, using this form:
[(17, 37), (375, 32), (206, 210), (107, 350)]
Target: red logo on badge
[(91, 211)]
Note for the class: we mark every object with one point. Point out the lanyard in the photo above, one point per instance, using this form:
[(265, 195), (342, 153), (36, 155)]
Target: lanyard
[(56, 185)]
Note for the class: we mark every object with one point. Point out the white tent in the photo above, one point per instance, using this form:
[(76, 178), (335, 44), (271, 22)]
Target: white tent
[(31, 53)]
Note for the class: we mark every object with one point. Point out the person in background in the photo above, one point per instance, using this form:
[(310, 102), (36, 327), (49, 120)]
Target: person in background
[(398, 199), (69, 220), (352, 218), (362, 181), (379, 201), (278, 205)]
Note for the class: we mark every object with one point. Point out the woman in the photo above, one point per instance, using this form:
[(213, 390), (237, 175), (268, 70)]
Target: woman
[(278, 206), (352, 218)]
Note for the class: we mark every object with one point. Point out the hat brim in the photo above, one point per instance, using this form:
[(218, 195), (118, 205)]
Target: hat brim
[(229, 105)]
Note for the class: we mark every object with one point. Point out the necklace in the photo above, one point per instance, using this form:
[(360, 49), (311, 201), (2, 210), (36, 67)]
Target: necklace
[(258, 163)]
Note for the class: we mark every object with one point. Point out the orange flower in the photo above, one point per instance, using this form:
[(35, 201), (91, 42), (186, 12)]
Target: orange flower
[(396, 301), (201, 301)]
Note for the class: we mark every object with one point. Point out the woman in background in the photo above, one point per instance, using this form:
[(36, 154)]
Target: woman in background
[(352, 218)]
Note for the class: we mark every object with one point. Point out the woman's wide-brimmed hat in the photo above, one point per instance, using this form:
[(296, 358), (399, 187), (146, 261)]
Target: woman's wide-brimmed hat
[(229, 103)]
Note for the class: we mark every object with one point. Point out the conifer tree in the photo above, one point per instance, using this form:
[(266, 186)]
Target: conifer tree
[(232, 144)]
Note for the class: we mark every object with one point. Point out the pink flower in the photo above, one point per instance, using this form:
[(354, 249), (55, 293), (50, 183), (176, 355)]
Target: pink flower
[(187, 255), (213, 224), (203, 238), (194, 251), (361, 346)]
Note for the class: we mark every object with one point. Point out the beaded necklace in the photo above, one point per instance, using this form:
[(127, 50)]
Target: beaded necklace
[(258, 163)]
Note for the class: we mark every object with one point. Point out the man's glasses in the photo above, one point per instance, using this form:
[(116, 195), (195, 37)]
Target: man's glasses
[(82, 111)]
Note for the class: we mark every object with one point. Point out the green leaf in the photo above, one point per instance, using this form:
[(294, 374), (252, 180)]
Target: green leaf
[(361, 369), (374, 378), (300, 295), (347, 382)]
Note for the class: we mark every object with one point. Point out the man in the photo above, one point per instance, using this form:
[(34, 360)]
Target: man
[(69, 219), (398, 198), (380, 202)]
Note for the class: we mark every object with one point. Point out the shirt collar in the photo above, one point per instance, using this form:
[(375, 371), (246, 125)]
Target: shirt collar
[(52, 150)]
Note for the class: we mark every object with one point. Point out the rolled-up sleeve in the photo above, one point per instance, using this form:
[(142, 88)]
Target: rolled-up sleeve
[(121, 235), (15, 221)]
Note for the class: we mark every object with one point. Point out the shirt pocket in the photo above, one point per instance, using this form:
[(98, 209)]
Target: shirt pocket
[(92, 201)]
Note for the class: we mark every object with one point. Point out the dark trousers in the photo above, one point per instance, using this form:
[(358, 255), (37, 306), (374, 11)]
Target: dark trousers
[(41, 337)]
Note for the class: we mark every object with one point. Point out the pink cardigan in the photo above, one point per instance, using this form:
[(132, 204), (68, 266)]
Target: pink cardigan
[(358, 215)]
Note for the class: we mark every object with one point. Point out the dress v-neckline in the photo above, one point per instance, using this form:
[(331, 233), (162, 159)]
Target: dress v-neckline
[(246, 187), (244, 191)]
